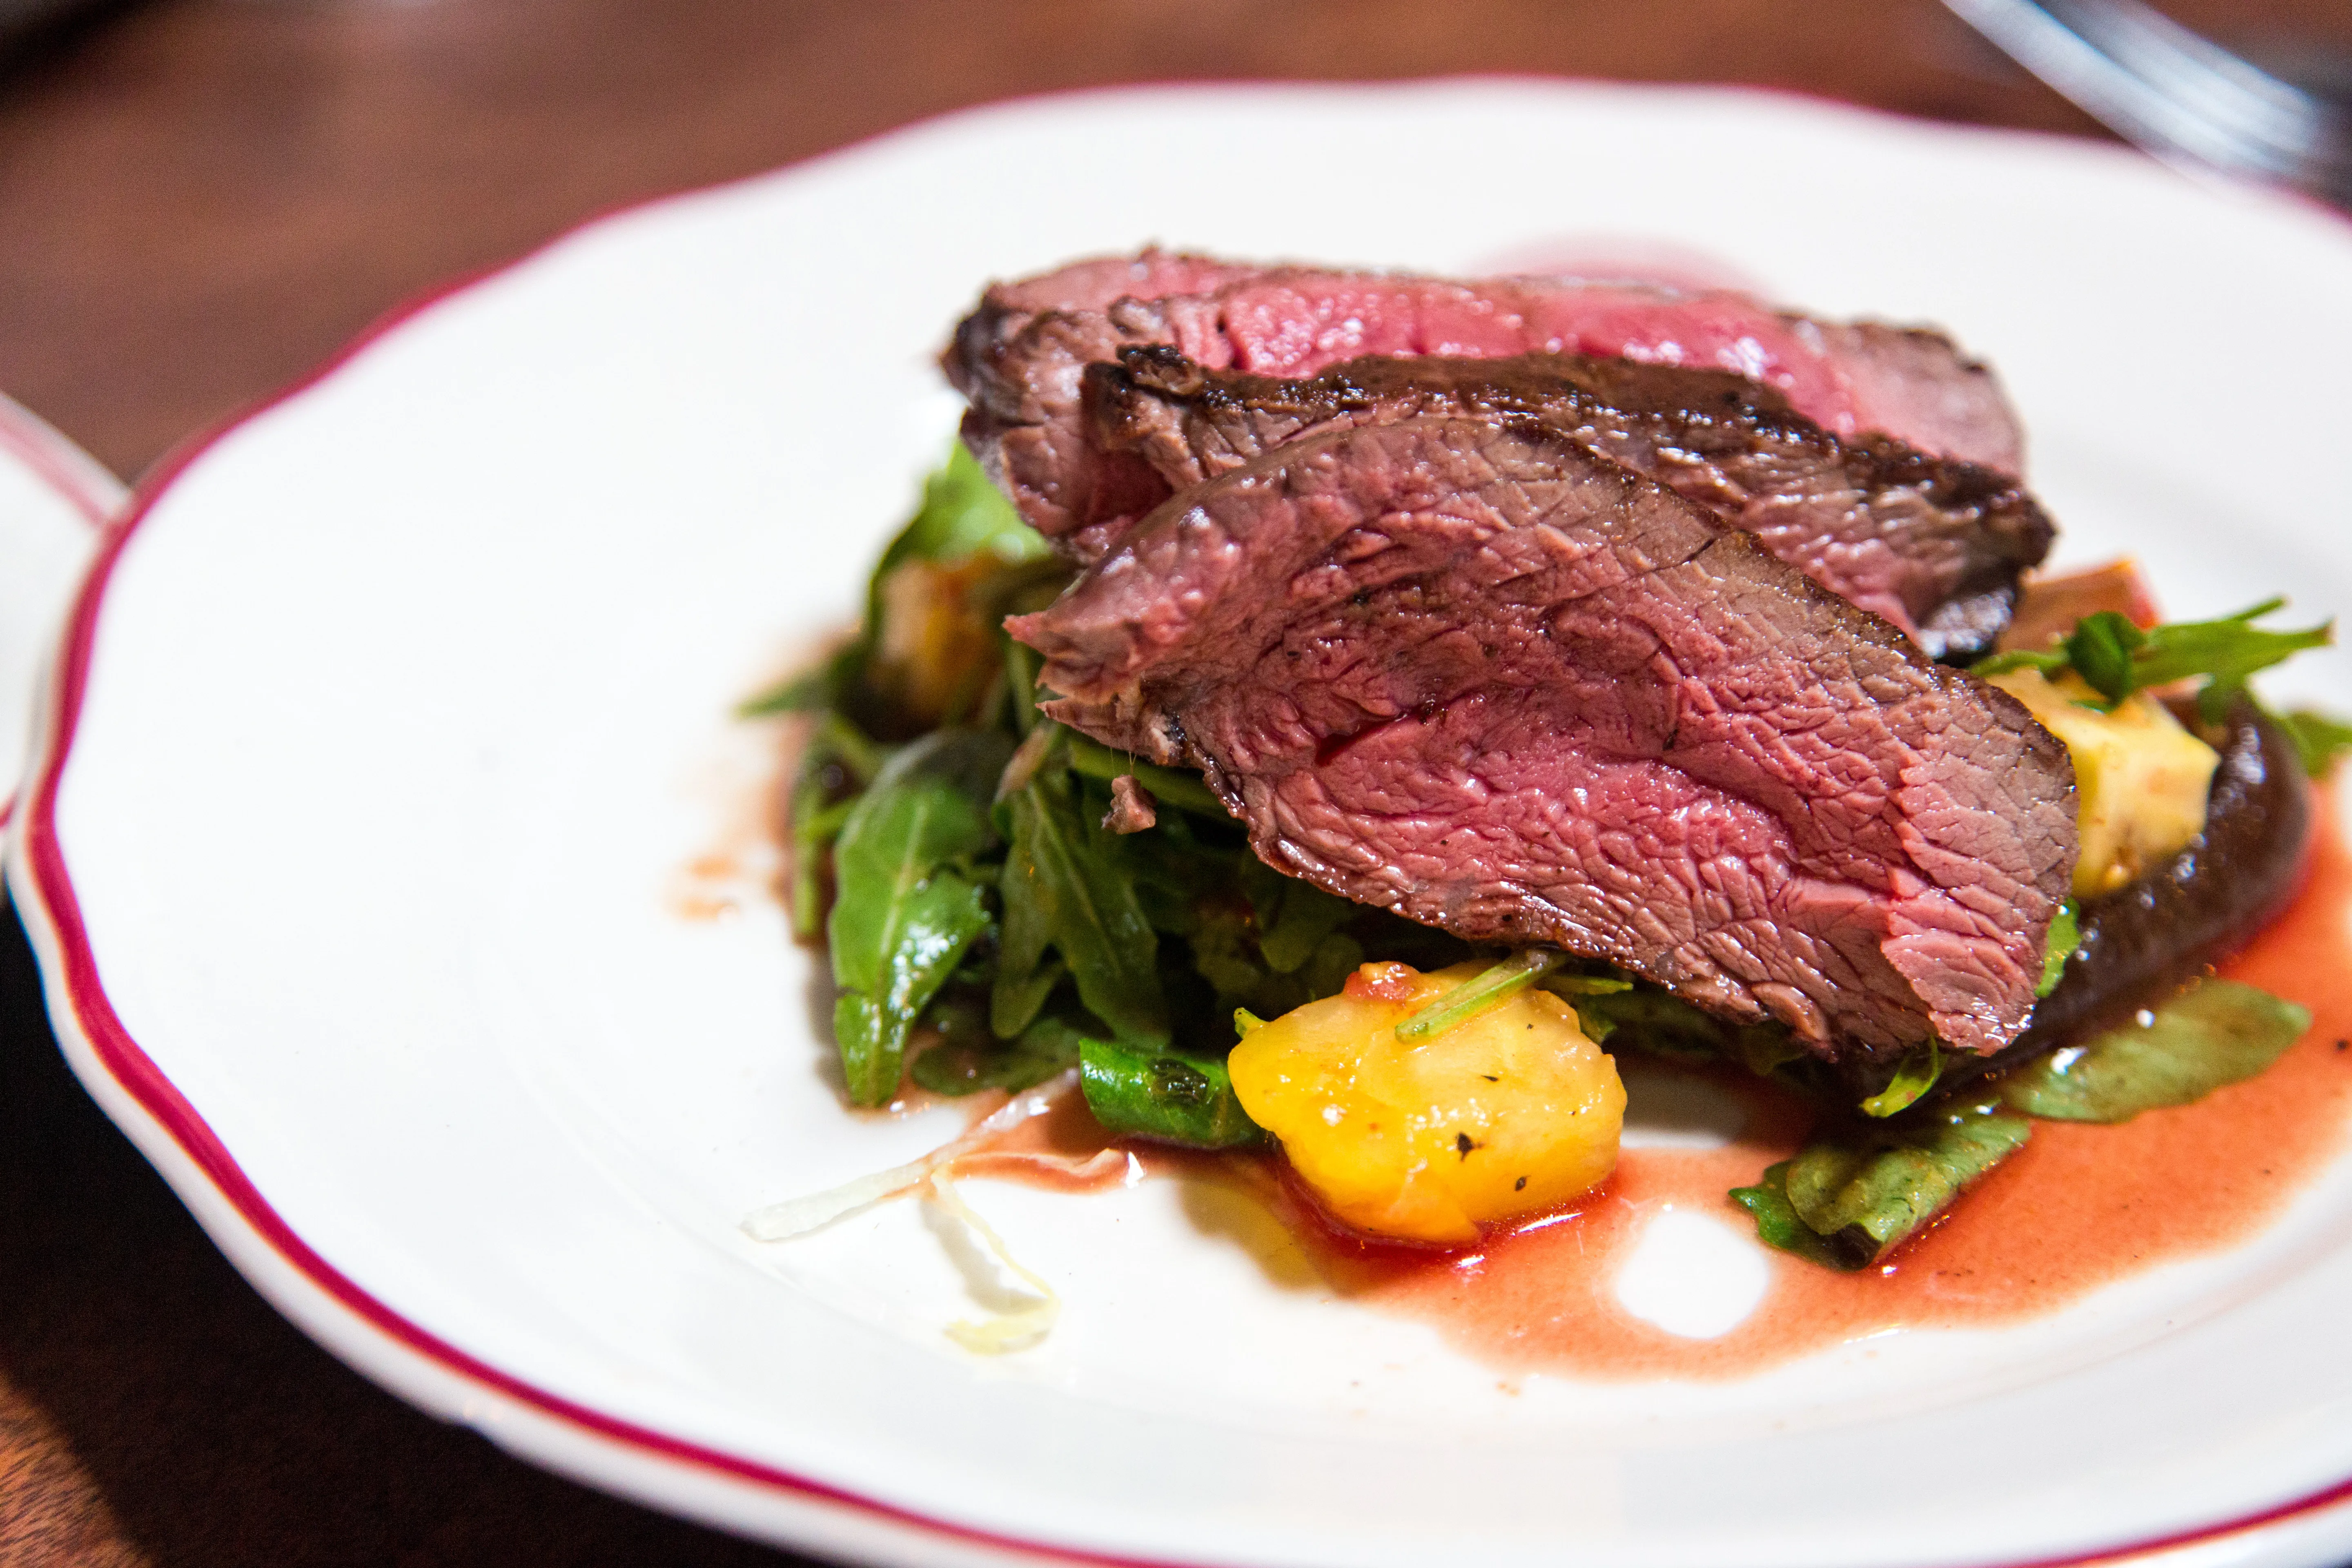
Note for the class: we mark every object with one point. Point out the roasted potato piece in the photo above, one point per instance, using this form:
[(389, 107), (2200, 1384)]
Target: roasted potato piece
[(1506, 1114)]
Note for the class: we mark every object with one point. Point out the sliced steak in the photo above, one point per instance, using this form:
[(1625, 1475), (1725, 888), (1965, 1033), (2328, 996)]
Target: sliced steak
[(1020, 354), (1467, 671), (1933, 544), (1914, 383)]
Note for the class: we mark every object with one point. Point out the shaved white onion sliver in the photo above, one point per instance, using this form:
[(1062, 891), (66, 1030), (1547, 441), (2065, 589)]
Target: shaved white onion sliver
[(1006, 1330), (1091, 1167), (798, 1216)]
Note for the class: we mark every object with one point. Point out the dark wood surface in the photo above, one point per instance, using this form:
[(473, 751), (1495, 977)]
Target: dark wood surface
[(201, 199)]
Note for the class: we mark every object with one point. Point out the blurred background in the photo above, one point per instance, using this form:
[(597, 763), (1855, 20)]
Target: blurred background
[(200, 200)]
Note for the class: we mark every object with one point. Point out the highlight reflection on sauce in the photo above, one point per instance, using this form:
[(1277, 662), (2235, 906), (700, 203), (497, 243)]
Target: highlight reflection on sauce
[(2080, 1206)]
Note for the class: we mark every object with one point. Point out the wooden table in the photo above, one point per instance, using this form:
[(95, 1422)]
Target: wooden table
[(201, 199)]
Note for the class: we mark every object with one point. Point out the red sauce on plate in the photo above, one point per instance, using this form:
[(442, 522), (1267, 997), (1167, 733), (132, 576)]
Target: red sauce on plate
[(2079, 1206)]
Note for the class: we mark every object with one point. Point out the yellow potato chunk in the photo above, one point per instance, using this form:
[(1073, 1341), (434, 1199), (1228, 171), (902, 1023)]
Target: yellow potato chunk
[(2142, 780), (935, 650), (1505, 1115)]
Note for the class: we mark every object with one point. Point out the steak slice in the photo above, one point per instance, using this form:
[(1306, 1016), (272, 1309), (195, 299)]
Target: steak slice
[(1019, 356), (1933, 544), (1469, 671)]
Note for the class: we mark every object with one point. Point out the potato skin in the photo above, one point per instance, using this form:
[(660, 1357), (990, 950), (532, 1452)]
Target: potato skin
[(1506, 1115)]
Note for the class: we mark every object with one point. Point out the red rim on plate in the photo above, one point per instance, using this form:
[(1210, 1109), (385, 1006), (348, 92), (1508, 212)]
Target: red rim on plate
[(78, 1001)]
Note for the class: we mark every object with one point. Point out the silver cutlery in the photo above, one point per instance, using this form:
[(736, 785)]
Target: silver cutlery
[(2175, 92)]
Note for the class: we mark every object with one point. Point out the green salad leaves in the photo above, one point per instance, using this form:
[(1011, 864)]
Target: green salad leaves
[(1063, 888), (1859, 1190), (2215, 1033), (2319, 740), (1846, 1201), (911, 902), (2116, 658)]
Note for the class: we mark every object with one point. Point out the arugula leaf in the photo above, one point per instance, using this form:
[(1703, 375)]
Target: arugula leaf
[(812, 690), (1018, 994), (1650, 1019), (1224, 950), (963, 513), (968, 1062), (1890, 1184), (1021, 666), (1174, 874), (1225, 955), (2227, 651), (1327, 969), (1776, 1224), (1293, 917), (815, 824), (962, 517), (2318, 739), (1855, 1196), (2215, 1033), (2101, 648), (838, 754), (2116, 658), (1065, 885), (1172, 1098), (2065, 936), (1664, 1024), (1914, 1076), (1485, 989), (907, 907)]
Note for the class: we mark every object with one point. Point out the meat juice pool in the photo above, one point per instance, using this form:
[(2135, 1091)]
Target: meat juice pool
[(2080, 1205)]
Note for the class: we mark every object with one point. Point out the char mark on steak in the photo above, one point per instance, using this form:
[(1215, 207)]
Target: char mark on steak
[(1467, 671), (1020, 354), (1933, 544)]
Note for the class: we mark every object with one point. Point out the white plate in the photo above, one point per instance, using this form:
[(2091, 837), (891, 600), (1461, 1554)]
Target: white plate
[(53, 499), (383, 736)]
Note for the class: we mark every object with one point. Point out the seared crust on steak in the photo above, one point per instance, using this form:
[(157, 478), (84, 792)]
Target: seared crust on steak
[(1933, 544), (1470, 671), (1020, 354)]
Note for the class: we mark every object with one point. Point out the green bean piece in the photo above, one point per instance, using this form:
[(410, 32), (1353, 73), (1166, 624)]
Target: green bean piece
[(1140, 1092)]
